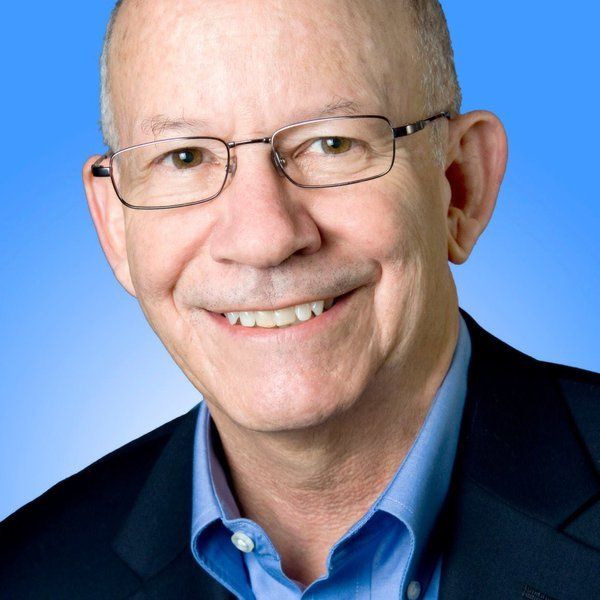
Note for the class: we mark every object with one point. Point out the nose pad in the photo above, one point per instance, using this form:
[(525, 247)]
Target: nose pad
[(231, 168), (278, 162)]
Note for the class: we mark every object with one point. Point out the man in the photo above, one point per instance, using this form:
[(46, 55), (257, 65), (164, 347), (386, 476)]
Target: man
[(285, 187)]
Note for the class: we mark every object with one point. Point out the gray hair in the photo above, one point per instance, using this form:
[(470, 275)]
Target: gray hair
[(107, 117), (439, 82)]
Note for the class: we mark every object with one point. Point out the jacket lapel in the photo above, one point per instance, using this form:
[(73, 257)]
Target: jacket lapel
[(521, 476), (154, 540)]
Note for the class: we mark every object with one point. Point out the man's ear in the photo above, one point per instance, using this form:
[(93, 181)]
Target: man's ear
[(107, 213), (475, 163)]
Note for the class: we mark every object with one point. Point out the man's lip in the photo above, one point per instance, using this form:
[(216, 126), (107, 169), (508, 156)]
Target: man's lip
[(295, 303)]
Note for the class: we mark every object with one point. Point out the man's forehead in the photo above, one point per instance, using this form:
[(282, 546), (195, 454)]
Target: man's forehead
[(353, 12), (250, 55)]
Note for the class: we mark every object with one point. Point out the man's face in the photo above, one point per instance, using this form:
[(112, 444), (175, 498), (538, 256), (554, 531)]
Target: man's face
[(248, 68)]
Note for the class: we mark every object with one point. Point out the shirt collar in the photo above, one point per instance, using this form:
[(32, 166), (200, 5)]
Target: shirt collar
[(212, 496), (418, 490)]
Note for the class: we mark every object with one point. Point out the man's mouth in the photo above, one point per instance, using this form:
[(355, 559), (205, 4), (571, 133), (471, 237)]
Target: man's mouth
[(283, 317)]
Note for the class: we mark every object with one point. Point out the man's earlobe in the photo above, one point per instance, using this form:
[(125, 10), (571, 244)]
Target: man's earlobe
[(107, 214), (476, 161)]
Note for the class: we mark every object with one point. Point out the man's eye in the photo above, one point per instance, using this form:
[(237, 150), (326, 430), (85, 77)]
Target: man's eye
[(333, 145), (185, 158)]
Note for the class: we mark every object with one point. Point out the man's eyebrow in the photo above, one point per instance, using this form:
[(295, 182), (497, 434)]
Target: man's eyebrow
[(158, 125), (340, 106)]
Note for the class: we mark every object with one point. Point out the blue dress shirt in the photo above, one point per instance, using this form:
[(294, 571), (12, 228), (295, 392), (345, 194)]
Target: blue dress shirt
[(383, 555)]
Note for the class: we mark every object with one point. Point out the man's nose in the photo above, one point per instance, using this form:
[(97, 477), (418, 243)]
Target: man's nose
[(263, 218)]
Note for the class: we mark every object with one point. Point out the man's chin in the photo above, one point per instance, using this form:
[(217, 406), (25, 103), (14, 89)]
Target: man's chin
[(279, 414)]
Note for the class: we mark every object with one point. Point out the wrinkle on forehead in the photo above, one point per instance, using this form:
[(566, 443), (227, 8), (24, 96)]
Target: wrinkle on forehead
[(364, 41)]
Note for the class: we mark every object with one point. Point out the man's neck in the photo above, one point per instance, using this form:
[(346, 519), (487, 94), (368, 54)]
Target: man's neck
[(307, 488)]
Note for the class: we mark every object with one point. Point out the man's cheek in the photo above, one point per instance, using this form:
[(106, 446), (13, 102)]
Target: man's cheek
[(152, 272), (396, 227), (155, 261)]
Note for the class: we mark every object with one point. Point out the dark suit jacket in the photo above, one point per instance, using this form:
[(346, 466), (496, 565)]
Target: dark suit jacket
[(522, 519)]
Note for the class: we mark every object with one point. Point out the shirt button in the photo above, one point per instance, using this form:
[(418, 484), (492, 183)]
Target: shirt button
[(413, 591), (242, 542)]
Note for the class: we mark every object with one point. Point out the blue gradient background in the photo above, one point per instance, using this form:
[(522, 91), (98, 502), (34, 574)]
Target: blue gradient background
[(83, 373)]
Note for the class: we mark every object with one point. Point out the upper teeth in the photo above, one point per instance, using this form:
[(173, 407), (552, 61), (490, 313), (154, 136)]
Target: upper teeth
[(282, 317)]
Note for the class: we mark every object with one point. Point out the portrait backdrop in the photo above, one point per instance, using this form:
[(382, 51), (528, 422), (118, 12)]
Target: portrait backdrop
[(83, 373)]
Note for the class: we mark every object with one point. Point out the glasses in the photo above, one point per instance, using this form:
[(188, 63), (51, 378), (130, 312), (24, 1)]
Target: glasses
[(319, 153)]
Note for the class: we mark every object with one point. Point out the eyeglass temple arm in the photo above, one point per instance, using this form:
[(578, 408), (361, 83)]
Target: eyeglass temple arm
[(99, 170), (414, 127)]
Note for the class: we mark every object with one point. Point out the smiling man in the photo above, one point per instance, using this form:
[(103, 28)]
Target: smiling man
[(285, 187)]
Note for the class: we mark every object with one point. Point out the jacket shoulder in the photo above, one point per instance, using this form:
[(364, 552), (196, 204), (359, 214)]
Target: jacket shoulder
[(570, 373), (66, 532), (581, 391)]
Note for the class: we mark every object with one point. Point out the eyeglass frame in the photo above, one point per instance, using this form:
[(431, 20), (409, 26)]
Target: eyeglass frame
[(99, 170)]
